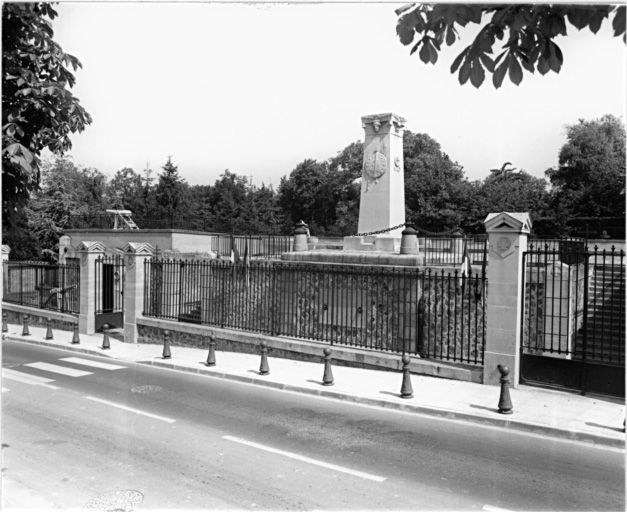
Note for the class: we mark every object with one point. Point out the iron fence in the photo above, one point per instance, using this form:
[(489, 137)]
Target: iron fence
[(441, 250), (439, 315), (109, 284), (257, 246), (574, 303), (42, 285)]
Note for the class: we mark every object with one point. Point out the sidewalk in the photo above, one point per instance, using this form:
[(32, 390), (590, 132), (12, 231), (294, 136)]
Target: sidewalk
[(542, 411)]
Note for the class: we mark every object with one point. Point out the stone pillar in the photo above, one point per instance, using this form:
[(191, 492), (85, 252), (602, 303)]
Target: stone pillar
[(89, 252), (382, 201), (135, 255), (507, 241), (64, 246)]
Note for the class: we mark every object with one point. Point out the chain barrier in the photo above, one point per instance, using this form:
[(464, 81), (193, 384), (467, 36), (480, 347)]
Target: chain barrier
[(381, 230)]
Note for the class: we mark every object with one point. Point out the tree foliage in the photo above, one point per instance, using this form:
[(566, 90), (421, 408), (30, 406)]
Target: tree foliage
[(526, 35), (590, 178), (170, 191), (38, 109)]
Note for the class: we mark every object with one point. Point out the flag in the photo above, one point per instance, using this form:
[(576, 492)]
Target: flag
[(465, 269), (234, 252)]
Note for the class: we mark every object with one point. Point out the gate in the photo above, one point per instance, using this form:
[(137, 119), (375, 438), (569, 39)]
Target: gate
[(573, 321), (109, 291)]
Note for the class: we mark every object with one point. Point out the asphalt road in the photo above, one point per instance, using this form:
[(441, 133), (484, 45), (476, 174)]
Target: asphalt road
[(184, 441)]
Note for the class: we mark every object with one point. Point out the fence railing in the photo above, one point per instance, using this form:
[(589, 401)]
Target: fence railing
[(450, 250), (574, 304), (259, 246), (42, 285), (439, 315)]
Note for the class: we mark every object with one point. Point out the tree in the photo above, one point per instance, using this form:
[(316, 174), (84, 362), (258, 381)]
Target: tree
[(125, 191), (66, 190), (38, 110), (590, 178), (170, 191), (435, 187), (528, 32)]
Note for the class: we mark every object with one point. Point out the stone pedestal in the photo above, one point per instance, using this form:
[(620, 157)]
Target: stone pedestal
[(89, 252), (507, 241), (135, 255), (382, 201)]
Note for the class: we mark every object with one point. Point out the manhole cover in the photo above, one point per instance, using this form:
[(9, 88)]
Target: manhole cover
[(116, 501)]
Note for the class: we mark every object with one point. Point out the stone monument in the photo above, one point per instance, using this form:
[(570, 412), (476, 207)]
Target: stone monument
[(382, 201)]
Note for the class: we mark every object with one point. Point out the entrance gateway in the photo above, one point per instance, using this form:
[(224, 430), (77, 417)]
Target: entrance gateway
[(573, 321)]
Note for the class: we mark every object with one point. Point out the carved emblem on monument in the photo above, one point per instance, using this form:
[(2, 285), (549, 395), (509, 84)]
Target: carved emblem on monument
[(375, 164)]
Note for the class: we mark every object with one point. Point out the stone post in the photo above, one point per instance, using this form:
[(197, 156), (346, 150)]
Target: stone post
[(89, 252), (5, 257), (135, 255), (507, 241), (300, 237)]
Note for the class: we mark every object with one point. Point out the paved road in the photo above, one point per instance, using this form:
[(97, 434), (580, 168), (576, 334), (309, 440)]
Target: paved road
[(78, 430)]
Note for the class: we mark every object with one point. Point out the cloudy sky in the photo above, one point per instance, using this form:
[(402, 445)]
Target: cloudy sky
[(257, 88)]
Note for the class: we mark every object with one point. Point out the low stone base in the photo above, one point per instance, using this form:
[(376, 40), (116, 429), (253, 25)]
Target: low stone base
[(372, 243), (355, 258)]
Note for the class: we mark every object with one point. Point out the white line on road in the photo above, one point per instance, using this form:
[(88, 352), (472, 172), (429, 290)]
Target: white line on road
[(90, 362), (26, 378), (130, 409), (54, 368), (308, 460), (4, 390), (490, 508)]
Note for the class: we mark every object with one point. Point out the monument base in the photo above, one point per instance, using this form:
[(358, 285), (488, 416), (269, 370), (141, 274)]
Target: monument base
[(355, 258), (373, 243)]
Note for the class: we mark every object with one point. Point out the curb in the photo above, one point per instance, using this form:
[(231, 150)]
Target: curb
[(571, 435)]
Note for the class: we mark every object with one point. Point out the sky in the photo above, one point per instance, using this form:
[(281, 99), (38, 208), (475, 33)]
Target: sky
[(258, 88)]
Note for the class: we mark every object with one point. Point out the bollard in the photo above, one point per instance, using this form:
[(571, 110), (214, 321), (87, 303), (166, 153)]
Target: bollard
[(406, 389), (5, 323), (106, 344), (166, 345), (49, 335), (264, 369), (211, 356), (75, 339), (327, 378), (505, 402), (25, 330)]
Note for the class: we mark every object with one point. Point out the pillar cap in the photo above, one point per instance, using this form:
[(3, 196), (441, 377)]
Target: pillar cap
[(91, 246), (5, 249), (409, 230), (508, 222), (139, 248), (301, 228)]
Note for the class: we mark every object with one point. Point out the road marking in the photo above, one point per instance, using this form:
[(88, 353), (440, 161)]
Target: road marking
[(130, 409), (90, 362), (308, 460), (63, 370), (490, 508), (4, 390), (26, 378)]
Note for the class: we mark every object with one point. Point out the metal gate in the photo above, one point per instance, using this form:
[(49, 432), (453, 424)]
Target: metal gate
[(573, 322), (109, 292)]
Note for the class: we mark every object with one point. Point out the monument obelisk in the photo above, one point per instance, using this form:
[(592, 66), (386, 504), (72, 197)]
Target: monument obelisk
[(382, 201)]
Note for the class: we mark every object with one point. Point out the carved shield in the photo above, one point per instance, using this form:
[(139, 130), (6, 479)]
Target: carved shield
[(375, 165)]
